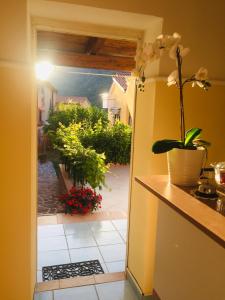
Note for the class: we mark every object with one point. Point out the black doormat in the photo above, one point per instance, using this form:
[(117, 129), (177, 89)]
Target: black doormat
[(84, 268)]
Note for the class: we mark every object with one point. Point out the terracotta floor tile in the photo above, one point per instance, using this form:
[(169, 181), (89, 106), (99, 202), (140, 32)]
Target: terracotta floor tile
[(109, 277), (97, 216), (76, 281), (47, 286), (47, 220)]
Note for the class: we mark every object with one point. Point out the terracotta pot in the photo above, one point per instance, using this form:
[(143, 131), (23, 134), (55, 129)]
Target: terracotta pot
[(184, 166)]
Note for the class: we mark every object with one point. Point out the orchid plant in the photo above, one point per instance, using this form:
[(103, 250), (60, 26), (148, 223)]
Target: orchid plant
[(171, 45)]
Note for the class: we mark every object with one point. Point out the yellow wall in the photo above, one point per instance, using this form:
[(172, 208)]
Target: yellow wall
[(202, 109), (189, 264), (152, 120), (17, 203), (142, 212), (157, 117), (199, 22)]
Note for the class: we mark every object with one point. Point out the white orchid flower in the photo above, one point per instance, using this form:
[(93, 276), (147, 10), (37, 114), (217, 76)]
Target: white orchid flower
[(202, 74), (199, 83), (173, 51), (172, 78), (183, 51), (166, 42), (177, 36)]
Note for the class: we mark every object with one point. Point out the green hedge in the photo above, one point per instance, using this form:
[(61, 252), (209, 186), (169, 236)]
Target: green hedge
[(114, 141), (84, 165), (87, 142), (74, 113)]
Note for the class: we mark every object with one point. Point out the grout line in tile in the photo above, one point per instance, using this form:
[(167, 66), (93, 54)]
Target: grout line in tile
[(122, 237), (96, 291), (102, 258), (51, 250), (68, 249), (92, 233)]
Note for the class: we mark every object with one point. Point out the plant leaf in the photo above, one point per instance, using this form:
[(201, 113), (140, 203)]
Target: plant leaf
[(201, 143), (163, 146), (191, 135)]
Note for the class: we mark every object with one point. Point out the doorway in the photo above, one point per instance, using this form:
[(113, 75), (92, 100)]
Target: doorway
[(69, 239)]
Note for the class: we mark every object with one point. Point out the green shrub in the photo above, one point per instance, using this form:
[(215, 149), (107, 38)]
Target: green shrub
[(84, 165), (114, 141), (74, 113), (86, 142)]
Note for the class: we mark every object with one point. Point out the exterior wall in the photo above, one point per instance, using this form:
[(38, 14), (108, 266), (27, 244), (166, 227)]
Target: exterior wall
[(119, 100), (18, 187), (46, 98), (124, 100)]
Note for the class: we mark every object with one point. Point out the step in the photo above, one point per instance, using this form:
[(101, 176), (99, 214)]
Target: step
[(79, 281)]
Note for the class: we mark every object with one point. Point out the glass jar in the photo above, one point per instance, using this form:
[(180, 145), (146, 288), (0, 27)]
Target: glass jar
[(220, 173)]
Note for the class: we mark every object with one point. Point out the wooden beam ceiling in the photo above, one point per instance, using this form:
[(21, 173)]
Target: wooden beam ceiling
[(101, 62), (86, 52), (94, 45)]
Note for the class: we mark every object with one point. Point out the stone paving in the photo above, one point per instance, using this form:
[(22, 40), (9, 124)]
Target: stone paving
[(115, 195), (49, 188)]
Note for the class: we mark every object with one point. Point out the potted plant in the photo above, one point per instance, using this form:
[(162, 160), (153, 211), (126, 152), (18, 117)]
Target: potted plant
[(186, 155), (81, 200)]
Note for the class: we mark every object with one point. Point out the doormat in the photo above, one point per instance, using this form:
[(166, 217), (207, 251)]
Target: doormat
[(84, 268)]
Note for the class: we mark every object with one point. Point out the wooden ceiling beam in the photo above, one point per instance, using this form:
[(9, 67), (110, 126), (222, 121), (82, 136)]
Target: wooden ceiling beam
[(104, 62), (94, 44)]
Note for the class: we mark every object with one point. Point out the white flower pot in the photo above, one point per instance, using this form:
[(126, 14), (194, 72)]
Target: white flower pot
[(184, 166)]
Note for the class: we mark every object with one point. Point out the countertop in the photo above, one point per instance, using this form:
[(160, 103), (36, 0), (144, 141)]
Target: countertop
[(207, 219)]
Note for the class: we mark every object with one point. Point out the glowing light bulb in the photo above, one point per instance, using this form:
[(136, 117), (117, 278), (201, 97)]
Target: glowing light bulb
[(43, 70)]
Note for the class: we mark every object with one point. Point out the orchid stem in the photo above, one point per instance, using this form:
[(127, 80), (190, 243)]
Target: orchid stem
[(180, 85)]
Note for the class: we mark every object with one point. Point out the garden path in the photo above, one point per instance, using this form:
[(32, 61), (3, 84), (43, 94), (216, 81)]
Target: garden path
[(115, 195), (49, 188)]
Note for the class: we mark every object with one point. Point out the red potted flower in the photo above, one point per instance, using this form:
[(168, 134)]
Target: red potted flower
[(81, 200)]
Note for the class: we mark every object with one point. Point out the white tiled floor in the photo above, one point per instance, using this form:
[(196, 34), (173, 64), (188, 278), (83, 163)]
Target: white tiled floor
[(85, 292), (76, 228), (99, 226), (117, 266), (120, 290), (102, 240), (108, 238), (50, 231), (120, 224), (81, 240), (113, 253), (52, 243), (51, 258)]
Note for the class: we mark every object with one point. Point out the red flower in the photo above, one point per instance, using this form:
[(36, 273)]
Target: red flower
[(85, 209), (81, 200), (70, 203)]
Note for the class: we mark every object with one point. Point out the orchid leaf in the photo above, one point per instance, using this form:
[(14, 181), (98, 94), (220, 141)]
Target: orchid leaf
[(191, 135), (163, 146), (201, 143)]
